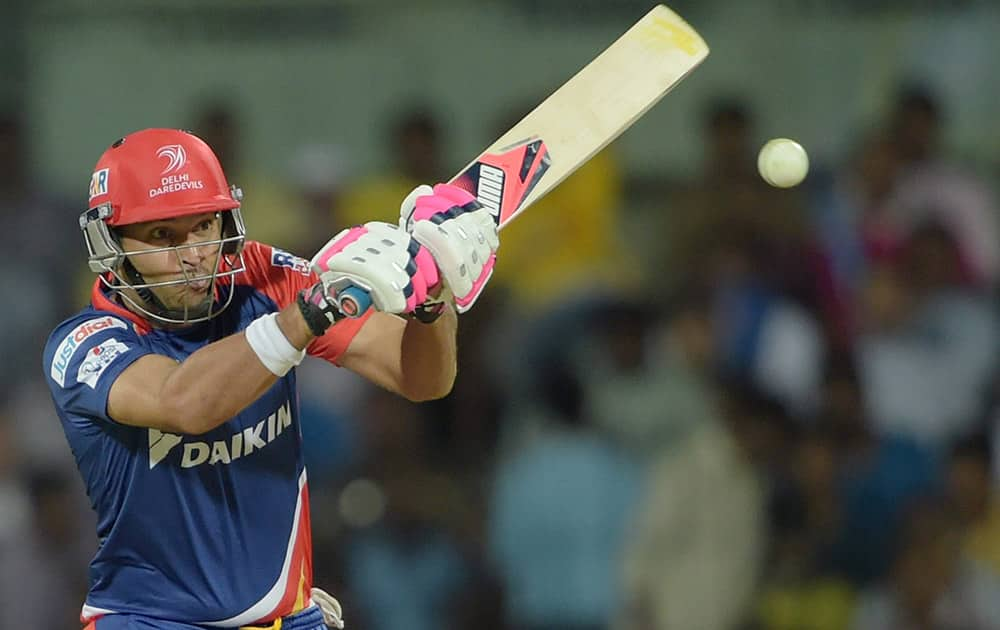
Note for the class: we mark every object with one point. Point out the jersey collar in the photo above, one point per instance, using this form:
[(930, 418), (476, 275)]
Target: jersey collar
[(100, 300)]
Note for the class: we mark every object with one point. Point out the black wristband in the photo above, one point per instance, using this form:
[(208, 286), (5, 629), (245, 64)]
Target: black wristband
[(316, 309), (428, 312)]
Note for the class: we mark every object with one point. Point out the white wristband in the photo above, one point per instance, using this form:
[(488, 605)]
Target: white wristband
[(271, 345)]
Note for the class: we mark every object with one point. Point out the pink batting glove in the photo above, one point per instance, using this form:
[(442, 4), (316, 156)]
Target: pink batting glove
[(460, 234)]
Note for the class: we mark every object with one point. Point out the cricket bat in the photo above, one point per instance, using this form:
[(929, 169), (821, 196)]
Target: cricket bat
[(576, 121)]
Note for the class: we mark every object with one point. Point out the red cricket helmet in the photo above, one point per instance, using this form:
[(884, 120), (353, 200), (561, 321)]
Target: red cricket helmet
[(159, 174), (151, 175)]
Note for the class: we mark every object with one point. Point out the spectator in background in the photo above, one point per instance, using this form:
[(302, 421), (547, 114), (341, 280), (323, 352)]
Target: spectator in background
[(39, 440), (406, 565), (849, 214), (748, 244), (876, 475), (931, 586), (694, 557), (897, 180), (971, 489), (413, 153), (929, 348), (933, 188), (837, 509), (624, 371), (14, 515), (800, 590), (330, 403), (649, 375), (467, 423), (36, 266), (40, 578), (728, 191), (992, 421), (15, 528), (526, 347), (317, 173), (557, 517), (405, 572), (763, 335)]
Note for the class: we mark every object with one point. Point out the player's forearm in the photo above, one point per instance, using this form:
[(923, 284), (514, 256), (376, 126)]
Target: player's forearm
[(203, 384), (428, 357)]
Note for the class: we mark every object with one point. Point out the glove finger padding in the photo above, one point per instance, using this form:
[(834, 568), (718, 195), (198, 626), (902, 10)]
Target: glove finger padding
[(382, 259), (333, 614), (461, 235), (409, 205)]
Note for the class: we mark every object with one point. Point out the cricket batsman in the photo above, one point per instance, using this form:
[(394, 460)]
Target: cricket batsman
[(176, 385)]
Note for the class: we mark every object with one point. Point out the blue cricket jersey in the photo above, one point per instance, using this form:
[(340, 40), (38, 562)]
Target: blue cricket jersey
[(209, 529)]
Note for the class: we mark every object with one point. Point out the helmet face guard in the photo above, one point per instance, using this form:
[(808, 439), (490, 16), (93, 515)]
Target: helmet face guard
[(157, 175), (107, 258)]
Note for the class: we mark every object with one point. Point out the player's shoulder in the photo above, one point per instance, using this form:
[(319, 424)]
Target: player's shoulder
[(87, 323), (274, 273), (90, 328), (267, 264), (266, 260)]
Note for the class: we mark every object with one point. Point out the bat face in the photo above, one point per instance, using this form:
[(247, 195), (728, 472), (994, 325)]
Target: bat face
[(503, 180), (580, 118)]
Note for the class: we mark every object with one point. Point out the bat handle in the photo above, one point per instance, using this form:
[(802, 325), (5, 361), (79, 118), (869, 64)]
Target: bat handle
[(352, 301)]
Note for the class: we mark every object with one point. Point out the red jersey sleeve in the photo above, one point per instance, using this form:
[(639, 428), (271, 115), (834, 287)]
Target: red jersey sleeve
[(280, 276)]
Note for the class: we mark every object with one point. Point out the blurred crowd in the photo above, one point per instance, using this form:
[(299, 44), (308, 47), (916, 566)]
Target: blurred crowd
[(722, 406)]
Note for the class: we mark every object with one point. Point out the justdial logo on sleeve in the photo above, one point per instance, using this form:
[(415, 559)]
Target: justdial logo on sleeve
[(67, 348)]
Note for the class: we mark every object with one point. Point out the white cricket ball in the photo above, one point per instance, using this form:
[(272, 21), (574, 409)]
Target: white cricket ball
[(783, 162)]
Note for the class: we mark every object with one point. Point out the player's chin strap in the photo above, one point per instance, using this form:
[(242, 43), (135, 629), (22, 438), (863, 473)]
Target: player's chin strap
[(155, 305)]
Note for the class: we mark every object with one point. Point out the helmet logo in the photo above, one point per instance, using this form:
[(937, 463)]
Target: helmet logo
[(99, 183), (176, 157)]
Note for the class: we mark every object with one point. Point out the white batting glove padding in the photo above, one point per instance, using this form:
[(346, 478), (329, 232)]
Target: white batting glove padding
[(460, 234), (333, 614), (379, 258), (409, 206)]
